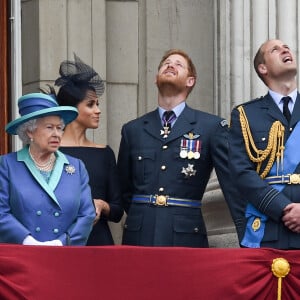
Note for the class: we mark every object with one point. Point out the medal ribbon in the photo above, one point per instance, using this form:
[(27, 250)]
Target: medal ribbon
[(168, 118)]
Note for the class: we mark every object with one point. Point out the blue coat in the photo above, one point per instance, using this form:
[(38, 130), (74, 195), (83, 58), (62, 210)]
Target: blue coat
[(61, 209), (261, 114), (150, 164)]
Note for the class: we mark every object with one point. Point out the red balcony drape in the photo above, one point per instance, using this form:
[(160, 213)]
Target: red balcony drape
[(121, 272)]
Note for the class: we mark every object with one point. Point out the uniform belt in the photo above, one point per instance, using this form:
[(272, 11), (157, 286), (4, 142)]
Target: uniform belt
[(162, 200), (283, 179)]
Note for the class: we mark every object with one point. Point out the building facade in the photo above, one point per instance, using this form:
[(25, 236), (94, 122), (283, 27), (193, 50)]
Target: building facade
[(124, 41)]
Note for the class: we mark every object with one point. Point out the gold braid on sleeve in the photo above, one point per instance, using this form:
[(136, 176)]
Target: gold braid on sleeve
[(274, 149)]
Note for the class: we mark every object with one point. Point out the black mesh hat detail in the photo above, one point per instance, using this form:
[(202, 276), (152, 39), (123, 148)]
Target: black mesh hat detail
[(77, 77)]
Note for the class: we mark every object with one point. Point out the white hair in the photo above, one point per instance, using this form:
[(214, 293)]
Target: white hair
[(22, 130)]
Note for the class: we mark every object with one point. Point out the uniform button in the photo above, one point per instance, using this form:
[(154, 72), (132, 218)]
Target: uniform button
[(263, 139), (139, 158), (196, 229), (56, 214), (165, 147), (125, 226), (291, 129), (38, 213), (161, 189), (55, 230), (38, 229), (163, 167)]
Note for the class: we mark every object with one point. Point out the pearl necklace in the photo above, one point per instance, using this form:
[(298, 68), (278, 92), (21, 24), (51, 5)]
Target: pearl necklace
[(46, 167)]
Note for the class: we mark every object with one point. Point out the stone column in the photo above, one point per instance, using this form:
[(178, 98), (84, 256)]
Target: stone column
[(122, 75), (52, 30), (251, 24)]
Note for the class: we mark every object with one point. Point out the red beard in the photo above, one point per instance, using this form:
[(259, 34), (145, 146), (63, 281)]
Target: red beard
[(170, 85)]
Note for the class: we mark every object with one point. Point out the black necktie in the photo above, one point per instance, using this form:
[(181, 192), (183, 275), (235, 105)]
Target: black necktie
[(286, 111)]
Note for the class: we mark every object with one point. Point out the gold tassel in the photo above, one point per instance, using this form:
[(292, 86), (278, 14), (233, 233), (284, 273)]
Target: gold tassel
[(280, 268)]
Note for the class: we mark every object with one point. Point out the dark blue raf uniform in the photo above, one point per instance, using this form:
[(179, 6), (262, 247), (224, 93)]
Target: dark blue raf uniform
[(261, 114), (164, 178)]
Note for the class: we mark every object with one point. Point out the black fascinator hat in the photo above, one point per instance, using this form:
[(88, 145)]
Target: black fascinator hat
[(76, 78)]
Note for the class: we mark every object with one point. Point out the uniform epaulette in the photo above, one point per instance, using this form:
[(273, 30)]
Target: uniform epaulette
[(251, 101), (239, 105)]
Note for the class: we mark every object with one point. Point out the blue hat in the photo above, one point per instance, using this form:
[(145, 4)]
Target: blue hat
[(38, 105)]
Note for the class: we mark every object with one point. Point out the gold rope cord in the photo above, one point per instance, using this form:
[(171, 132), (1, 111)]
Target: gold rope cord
[(275, 146)]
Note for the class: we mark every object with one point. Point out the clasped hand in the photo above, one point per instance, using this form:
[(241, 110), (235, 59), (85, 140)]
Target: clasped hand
[(291, 217)]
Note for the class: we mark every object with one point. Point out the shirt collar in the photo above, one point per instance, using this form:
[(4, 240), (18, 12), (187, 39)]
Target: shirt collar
[(277, 97), (177, 109)]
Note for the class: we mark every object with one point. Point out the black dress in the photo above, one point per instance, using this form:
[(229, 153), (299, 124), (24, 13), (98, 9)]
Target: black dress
[(104, 182)]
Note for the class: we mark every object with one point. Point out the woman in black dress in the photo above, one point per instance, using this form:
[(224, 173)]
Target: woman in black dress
[(80, 86)]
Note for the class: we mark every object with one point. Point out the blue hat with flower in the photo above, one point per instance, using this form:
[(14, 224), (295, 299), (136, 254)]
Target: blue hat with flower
[(38, 105)]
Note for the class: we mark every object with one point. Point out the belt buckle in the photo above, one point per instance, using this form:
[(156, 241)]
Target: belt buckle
[(161, 200), (294, 179)]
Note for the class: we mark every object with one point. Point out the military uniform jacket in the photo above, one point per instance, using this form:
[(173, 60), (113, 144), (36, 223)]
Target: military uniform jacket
[(261, 113), (61, 209), (150, 164)]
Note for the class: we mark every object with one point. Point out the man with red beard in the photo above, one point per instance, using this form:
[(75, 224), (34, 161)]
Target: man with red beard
[(165, 161), (264, 152)]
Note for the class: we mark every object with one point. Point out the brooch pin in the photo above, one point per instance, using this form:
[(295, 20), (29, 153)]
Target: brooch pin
[(70, 169), (189, 171)]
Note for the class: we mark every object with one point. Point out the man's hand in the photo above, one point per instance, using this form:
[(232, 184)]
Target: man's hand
[(291, 217), (101, 207)]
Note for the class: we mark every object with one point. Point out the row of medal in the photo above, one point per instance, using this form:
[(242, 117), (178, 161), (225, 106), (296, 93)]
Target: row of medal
[(190, 149)]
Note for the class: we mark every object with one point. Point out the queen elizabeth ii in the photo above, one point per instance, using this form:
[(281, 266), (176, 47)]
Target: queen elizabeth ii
[(45, 198)]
